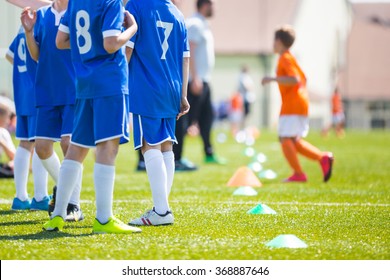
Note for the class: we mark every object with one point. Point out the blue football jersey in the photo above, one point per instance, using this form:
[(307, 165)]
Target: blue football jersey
[(88, 22), (23, 79), (55, 80), (156, 65)]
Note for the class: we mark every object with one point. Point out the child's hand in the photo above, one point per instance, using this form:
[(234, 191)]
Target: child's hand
[(267, 80), (28, 19), (129, 20), (184, 108)]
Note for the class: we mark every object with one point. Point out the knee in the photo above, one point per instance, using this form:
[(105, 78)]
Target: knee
[(65, 144), (43, 151)]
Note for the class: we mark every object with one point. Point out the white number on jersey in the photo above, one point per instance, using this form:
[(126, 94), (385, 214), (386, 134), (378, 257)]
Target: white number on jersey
[(22, 55), (82, 31), (167, 31)]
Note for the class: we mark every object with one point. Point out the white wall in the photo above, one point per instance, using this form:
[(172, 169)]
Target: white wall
[(10, 22), (321, 29)]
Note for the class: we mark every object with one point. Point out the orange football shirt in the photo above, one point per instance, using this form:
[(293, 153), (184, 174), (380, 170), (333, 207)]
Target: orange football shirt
[(294, 97), (337, 105)]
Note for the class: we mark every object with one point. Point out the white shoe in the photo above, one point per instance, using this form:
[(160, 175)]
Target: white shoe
[(151, 218)]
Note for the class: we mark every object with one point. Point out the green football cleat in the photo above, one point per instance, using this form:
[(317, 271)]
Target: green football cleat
[(113, 225), (54, 224)]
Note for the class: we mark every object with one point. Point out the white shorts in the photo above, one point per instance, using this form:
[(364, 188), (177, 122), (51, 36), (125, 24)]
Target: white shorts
[(293, 126), (338, 118)]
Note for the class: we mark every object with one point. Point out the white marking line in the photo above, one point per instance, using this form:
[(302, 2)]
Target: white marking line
[(294, 203)]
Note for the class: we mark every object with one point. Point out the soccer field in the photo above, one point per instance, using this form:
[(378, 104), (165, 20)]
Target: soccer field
[(346, 218)]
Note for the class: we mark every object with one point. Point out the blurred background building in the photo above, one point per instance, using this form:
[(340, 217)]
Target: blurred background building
[(338, 43)]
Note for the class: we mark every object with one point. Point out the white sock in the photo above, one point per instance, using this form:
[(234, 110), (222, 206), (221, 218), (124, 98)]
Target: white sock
[(169, 161), (104, 177), (75, 197), (157, 174), (21, 170), (40, 178), (52, 165), (69, 174)]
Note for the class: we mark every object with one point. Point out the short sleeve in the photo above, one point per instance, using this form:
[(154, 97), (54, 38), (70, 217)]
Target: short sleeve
[(288, 68), (194, 31), (186, 47), (113, 18), (64, 26), (130, 7), (12, 48)]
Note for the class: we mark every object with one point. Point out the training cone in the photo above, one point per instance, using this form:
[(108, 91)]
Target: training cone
[(244, 176), (286, 241), (245, 191), (268, 174), (261, 209)]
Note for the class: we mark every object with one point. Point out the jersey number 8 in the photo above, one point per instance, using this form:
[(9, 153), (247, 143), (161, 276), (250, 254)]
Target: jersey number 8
[(84, 40)]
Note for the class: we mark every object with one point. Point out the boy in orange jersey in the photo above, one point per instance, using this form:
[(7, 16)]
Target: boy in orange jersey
[(293, 121)]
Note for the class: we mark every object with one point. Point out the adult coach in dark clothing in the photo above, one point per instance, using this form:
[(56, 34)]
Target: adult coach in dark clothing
[(202, 62)]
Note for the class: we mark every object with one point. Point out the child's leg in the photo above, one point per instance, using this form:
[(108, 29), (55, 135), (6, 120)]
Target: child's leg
[(157, 175), (40, 178), (21, 169), (75, 197), (104, 177), (308, 150), (49, 158), (290, 153), (68, 176), (169, 161)]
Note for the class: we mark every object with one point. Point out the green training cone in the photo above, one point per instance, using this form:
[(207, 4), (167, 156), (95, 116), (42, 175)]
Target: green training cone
[(245, 191), (286, 241), (261, 209)]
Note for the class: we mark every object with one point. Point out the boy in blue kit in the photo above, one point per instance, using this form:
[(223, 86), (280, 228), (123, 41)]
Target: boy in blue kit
[(92, 29), (159, 61), (24, 69), (55, 92)]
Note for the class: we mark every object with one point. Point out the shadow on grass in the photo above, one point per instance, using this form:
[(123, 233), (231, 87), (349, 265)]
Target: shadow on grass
[(10, 212), (42, 235), (21, 223)]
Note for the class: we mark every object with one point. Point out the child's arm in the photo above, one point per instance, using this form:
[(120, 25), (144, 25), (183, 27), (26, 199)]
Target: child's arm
[(7, 144), (284, 80), (34, 4), (9, 58), (114, 43), (184, 105), (62, 40), (129, 53), (28, 19)]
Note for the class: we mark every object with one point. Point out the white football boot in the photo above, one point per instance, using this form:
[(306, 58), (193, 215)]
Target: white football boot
[(152, 218)]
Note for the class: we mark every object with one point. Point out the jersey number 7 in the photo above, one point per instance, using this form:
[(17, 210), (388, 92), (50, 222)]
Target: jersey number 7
[(167, 31)]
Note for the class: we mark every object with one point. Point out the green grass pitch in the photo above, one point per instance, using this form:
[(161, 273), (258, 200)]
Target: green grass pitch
[(346, 218)]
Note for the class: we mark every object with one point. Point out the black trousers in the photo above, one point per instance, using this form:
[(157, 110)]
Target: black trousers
[(201, 112)]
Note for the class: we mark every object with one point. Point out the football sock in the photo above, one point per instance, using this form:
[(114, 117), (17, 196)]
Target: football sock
[(21, 170), (69, 174), (157, 174), (40, 178), (290, 153), (104, 177), (75, 197), (52, 165), (169, 161), (308, 150)]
